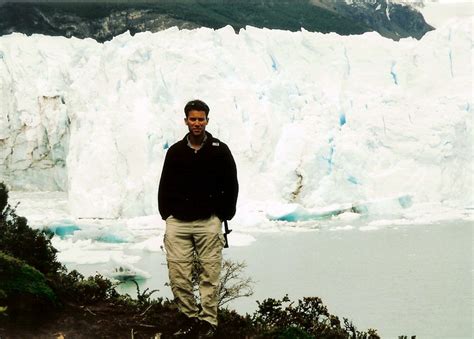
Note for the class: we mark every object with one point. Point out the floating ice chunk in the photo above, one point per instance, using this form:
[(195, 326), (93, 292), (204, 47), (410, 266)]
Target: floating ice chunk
[(347, 216), (88, 251), (146, 222), (126, 272), (295, 212), (81, 256), (383, 206), (153, 244), (108, 233), (111, 238), (123, 270), (299, 226), (250, 215), (63, 228), (276, 211)]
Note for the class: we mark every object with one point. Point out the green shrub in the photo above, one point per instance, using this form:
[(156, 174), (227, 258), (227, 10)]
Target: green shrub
[(234, 325), (308, 318), (293, 332), (20, 241), (74, 287), (24, 289)]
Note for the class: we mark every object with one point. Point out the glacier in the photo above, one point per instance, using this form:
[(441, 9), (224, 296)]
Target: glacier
[(313, 120)]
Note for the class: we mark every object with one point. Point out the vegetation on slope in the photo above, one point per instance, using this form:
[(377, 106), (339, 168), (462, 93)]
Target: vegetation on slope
[(104, 20)]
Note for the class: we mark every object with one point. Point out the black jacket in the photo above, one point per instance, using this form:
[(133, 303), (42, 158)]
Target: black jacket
[(195, 185)]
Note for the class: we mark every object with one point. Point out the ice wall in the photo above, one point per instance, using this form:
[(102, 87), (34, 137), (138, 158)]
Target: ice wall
[(314, 119)]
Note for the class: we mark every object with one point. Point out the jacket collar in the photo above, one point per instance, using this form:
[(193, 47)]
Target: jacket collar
[(207, 138)]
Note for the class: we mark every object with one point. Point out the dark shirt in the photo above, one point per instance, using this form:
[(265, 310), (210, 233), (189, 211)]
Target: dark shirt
[(196, 184)]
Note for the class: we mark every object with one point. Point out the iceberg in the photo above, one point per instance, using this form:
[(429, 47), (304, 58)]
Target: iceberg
[(127, 273), (296, 212), (63, 229)]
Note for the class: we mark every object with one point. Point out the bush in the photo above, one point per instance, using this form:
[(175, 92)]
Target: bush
[(233, 325), (308, 318), (20, 241), (74, 287), (293, 332), (24, 290), (33, 247)]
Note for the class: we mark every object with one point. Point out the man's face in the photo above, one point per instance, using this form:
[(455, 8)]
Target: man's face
[(196, 122)]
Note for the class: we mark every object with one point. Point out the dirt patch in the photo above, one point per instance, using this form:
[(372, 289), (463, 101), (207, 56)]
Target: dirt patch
[(104, 320)]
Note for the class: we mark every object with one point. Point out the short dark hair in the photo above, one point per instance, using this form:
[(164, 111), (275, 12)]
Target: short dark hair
[(196, 105)]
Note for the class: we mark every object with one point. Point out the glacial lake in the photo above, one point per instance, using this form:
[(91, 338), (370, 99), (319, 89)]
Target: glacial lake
[(401, 280)]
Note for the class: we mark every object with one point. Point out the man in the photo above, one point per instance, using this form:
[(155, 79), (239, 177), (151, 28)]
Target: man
[(198, 190)]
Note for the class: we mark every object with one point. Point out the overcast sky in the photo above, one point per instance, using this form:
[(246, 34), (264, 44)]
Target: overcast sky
[(436, 14)]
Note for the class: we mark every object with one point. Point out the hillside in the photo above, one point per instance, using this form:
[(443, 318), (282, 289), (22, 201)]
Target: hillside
[(104, 20)]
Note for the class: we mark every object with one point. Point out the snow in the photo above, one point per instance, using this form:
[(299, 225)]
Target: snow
[(323, 132)]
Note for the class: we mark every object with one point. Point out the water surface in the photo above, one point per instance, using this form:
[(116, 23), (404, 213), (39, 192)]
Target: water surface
[(400, 280)]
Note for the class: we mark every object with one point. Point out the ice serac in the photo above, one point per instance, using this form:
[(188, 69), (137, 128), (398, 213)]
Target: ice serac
[(33, 112), (313, 120)]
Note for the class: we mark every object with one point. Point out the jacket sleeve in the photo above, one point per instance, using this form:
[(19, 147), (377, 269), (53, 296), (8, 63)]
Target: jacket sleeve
[(164, 187), (230, 187)]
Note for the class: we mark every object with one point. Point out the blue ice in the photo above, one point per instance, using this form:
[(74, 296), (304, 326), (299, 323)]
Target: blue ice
[(352, 179), (394, 74), (342, 119), (330, 155), (295, 212), (274, 64), (111, 238), (301, 214), (405, 201), (63, 230)]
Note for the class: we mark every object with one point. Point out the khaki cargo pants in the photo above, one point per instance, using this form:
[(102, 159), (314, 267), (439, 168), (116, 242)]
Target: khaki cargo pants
[(204, 237)]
